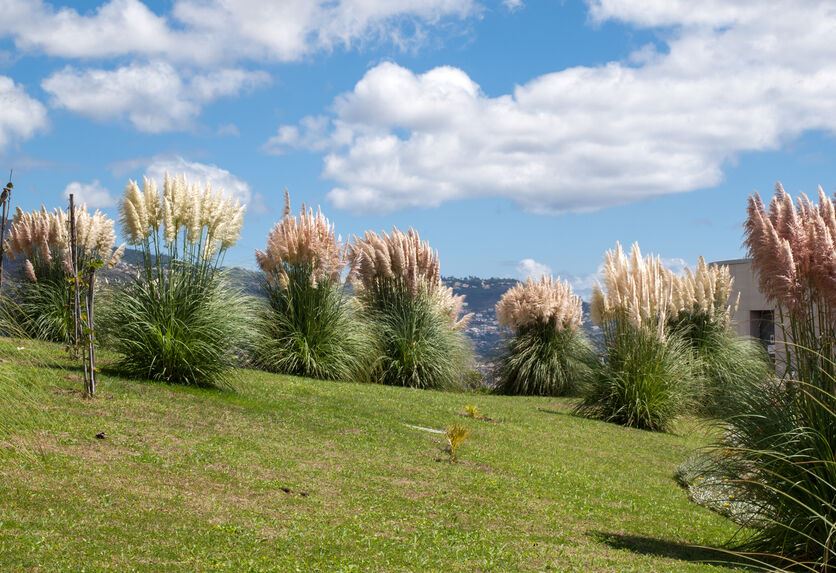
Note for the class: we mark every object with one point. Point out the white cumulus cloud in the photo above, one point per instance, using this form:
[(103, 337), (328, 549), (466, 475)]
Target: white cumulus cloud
[(21, 116), (734, 77), (531, 269), (161, 80), (153, 97), (205, 32), (513, 5), (94, 195)]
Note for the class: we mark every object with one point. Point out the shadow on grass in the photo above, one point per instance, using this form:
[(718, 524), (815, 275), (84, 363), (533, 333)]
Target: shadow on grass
[(673, 550), (112, 370)]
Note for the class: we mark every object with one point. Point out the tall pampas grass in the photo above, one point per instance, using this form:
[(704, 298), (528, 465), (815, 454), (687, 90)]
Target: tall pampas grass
[(180, 321), (703, 306), (647, 376), (636, 288), (41, 238), (417, 321), (793, 253), (310, 326), (775, 458), (708, 290), (547, 354)]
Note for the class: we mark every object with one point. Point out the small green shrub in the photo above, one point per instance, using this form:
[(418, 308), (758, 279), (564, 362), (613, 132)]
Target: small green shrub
[(472, 411), (644, 381), (456, 436)]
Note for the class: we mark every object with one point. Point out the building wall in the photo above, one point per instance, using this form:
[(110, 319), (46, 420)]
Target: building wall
[(752, 306)]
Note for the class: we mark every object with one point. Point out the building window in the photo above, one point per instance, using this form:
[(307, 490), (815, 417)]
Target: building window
[(762, 327)]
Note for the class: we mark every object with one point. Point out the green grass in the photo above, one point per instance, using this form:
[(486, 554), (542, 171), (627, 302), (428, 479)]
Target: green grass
[(290, 474)]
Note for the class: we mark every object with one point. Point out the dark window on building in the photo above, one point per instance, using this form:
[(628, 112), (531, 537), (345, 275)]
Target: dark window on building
[(762, 326)]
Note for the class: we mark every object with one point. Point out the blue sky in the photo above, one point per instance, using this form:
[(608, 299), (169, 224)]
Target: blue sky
[(516, 136)]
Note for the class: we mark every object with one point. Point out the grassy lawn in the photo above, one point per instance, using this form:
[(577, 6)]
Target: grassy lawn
[(287, 474)]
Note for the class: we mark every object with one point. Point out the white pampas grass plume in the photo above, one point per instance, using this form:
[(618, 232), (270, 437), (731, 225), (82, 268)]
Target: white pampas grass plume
[(452, 306), (403, 261), (117, 256), (637, 288), (153, 207), (42, 238), (133, 215), (545, 301), (29, 271), (195, 214), (707, 290), (793, 248), (307, 240), (402, 256)]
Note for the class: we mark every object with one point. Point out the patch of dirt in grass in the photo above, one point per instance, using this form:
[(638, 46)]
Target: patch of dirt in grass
[(351, 431), (482, 467), (410, 488)]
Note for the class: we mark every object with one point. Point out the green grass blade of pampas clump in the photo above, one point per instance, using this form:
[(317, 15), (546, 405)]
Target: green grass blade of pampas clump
[(542, 361), (547, 354), (192, 333), (311, 331), (416, 345), (43, 309), (416, 321), (776, 468), (643, 382), (723, 360), (180, 321)]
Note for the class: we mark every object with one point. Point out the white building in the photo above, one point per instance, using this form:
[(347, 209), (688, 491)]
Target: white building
[(755, 316)]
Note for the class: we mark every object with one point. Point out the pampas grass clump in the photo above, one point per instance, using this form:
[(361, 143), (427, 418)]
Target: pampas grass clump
[(776, 454), (644, 381), (647, 376), (310, 326), (548, 353), (42, 309), (416, 321), (701, 311), (180, 321)]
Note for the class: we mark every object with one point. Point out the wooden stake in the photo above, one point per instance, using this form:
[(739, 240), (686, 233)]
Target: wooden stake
[(90, 334), (6, 201)]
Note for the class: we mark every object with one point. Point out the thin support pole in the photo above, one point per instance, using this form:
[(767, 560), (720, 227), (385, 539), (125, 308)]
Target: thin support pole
[(6, 200), (90, 335)]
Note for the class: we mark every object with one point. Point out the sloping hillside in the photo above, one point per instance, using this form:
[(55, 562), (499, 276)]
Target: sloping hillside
[(289, 474)]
